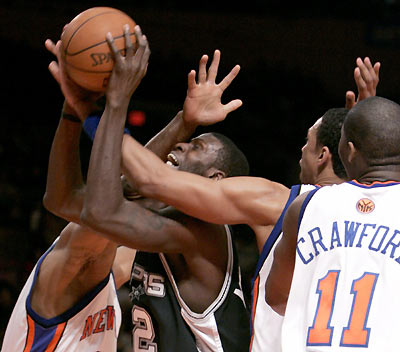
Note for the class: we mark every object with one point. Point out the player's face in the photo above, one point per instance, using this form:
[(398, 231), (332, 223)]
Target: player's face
[(309, 156), (196, 156)]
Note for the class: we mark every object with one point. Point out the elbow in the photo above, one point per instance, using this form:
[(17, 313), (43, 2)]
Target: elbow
[(90, 218), (96, 217), (50, 205)]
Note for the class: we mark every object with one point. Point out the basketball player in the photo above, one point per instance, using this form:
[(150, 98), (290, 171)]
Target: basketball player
[(339, 251), (69, 302), (185, 280), (255, 201), (66, 299)]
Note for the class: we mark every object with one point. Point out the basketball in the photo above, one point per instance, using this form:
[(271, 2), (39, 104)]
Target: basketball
[(85, 50)]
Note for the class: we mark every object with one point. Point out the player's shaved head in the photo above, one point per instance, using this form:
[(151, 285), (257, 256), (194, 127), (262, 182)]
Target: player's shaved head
[(373, 126)]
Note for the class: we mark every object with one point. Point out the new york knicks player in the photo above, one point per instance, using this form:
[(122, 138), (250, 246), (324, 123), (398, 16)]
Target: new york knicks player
[(335, 271), (69, 302)]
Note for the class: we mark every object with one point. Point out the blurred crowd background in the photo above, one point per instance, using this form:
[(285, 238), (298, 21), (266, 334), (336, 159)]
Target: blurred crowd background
[(297, 61)]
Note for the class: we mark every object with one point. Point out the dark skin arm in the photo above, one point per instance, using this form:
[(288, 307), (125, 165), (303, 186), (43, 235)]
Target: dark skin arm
[(281, 274), (80, 259), (105, 207), (170, 232)]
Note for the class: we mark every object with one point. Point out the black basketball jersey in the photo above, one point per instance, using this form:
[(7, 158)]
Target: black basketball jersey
[(163, 322)]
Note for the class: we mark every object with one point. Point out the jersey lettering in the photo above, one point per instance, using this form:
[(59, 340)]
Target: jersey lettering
[(143, 331), (356, 334), (153, 283), (99, 322), (320, 333), (350, 234)]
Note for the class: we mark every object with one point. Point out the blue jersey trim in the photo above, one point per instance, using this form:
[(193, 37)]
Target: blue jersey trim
[(42, 338), (276, 231), (269, 243), (69, 313), (304, 205)]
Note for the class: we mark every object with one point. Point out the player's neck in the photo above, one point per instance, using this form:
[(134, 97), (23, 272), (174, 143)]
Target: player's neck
[(326, 180), (379, 176)]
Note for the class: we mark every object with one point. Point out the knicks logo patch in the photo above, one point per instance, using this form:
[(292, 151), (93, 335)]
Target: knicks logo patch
[(365, 205)]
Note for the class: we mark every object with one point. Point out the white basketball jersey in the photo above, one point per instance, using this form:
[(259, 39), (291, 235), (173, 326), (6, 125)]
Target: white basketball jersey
[(266, 323), (346, 283), (91, 325)]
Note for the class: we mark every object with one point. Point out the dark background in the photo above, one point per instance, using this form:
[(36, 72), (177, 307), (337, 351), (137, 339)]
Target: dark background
[(297, 61)]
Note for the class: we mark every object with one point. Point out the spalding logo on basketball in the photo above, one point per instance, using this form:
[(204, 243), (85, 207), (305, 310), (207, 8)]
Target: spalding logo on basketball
[(365, 205)]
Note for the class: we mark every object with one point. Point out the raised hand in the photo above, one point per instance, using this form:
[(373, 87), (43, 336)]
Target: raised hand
[(128, 70), (366, 77), (203, 105), (78, 99)]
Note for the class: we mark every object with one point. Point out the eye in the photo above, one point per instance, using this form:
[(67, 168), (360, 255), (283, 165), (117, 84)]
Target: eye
[(196, 145)]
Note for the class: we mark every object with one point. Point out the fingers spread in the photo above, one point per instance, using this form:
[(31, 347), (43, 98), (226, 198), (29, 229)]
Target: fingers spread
[(229, 78), (129, 49), (50, 46), (55, 71), (350, 99), (213, 70), (192, 79), (202, 69), (233, 105), (113, 47)]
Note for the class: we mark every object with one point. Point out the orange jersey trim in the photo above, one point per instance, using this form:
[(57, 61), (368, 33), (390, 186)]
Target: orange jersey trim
[(57, 337), (375, 183), (31, 334), (253, 308)]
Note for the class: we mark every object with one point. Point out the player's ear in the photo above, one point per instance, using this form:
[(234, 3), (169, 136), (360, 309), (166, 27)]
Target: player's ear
[(324, 155), (215, 174), (352, 152)]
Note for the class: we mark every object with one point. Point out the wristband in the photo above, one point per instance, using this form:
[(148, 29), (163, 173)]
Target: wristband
[(70, 117), (91, 123)]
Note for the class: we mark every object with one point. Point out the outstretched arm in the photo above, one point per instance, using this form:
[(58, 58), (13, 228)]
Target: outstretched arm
[(253, 201), (202, 106), (234, 200), (366, 77), (77, 247), (64, 188)]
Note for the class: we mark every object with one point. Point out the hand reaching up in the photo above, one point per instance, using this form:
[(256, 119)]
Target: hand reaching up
[(81, 101), (128, 70), (366, 77), (203, 105)]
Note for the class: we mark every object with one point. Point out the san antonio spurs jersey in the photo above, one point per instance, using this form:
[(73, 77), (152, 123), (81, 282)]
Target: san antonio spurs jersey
[(163, 322)]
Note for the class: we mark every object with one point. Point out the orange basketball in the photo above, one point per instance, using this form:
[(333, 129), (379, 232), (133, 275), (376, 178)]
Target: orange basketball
[(86, 53)]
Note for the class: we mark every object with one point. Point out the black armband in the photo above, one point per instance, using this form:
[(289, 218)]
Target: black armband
[(70, 117)]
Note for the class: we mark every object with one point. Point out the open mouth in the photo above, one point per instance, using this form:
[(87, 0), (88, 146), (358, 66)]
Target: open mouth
[(172, 160)]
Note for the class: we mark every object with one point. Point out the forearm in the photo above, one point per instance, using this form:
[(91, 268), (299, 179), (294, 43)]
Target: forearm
[(64, 195), (234, 200), (104, 190), (176, 131)]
